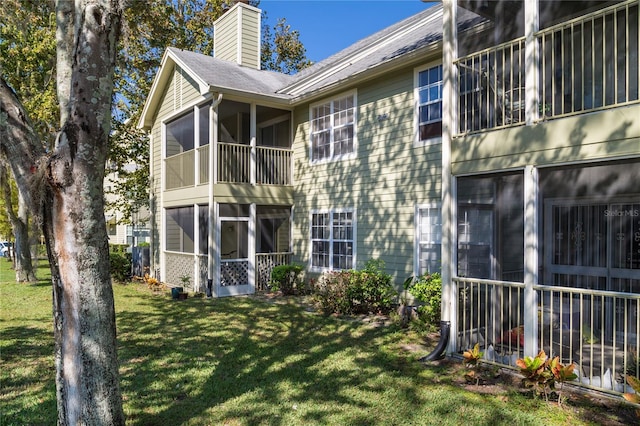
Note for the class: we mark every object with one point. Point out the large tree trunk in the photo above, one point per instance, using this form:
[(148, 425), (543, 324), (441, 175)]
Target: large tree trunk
[(65, 187), (20, 227)]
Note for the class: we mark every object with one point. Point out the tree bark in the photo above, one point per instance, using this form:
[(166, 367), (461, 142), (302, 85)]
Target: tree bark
[(65, 188)]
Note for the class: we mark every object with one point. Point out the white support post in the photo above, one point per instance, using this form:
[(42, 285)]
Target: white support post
[(197, 285), (532, 53), (530, 260), (252, 247), (196, 144), (252, 131), (212, 251), (449, 108)]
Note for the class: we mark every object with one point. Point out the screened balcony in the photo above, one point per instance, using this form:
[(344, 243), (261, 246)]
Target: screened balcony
[(241, 155), (585, 64)]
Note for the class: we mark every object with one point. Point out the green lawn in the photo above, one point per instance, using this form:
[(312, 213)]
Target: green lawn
[(245, 361)]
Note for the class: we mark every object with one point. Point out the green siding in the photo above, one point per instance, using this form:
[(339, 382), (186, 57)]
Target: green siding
[(226, 39), (602, 135), (181, 92), (384, 182), (250, 55)]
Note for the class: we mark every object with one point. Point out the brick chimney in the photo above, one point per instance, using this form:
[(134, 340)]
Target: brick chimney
[(237, 35)]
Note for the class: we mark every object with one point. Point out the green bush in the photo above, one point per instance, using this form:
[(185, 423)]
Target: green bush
[(428, 290), (286, 278), (355, 292), (120, 266)]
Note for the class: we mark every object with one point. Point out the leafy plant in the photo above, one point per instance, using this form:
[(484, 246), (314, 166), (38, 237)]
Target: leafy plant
[(634, 398), (286, 278), (536, 374), (186, 279), (355, 292), (471, 358), (427, 288), (542, 374), (120, 266)]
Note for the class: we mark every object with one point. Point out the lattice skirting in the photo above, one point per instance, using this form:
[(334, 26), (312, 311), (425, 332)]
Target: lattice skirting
[(234, 273), (178, 265)]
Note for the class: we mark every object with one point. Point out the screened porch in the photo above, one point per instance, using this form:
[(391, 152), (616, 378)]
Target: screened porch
[(584, 301)]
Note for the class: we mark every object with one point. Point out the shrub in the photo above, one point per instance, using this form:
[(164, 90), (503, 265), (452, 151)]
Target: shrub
[(428, 290), (120, 264), (355, 292), (286, 278)]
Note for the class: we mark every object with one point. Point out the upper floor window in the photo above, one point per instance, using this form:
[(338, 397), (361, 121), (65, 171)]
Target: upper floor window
[(333, 128), (333, 239), (429, 103)]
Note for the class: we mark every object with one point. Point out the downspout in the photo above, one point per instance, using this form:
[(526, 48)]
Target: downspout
[(212, 251), (438, 352)]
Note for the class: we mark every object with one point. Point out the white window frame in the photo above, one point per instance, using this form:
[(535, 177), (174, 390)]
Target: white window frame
[(418, 243), (416, 96), (331, 101), (331, 240)]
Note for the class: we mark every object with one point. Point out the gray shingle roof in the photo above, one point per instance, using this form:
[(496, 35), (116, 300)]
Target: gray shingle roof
[(392, 43), (224, 74)]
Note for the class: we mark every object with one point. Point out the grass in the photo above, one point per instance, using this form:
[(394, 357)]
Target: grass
[(245, 361)]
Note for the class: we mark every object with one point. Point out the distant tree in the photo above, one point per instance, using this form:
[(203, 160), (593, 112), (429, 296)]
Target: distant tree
[(18, 216), (62, 185), (27, 62), (282, 50)]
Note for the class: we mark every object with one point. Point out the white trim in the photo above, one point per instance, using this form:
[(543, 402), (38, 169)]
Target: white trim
[(354, 226), (302, 86), (238, 36), (531, 209), (353, 93), (416, 105)]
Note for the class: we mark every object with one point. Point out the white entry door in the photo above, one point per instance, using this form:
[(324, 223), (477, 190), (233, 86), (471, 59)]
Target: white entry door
[(235, 257)]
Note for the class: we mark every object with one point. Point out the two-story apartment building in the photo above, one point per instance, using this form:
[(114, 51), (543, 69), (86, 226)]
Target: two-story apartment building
[(497, 142)]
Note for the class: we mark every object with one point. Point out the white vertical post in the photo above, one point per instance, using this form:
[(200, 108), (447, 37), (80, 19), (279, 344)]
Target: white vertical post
[(197, 285), (212, 251), (531, 61), (252, 247), (196, 144), (252, 132), (449, 112), (530, 260)]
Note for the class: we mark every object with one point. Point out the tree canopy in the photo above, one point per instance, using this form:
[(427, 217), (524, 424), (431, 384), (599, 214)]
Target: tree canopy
[(28, 64)]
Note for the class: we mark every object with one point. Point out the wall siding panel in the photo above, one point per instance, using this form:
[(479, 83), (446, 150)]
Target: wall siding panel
[(384, 182)]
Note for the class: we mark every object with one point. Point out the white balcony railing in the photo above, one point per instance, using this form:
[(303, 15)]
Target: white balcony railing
[(491, 87), (273, 166), (596, 330), (590, 62), (585, 64), (234, 163)]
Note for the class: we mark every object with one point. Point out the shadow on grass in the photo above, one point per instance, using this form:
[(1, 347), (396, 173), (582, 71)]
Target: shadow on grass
[(249, 362), (28, 377)]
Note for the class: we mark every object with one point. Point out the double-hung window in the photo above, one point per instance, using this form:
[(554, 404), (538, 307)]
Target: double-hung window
[(333, 240), (428, 238), (429, 104), (333, 134)]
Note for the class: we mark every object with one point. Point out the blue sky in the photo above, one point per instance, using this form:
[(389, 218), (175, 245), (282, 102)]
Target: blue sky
[(328, 26)]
